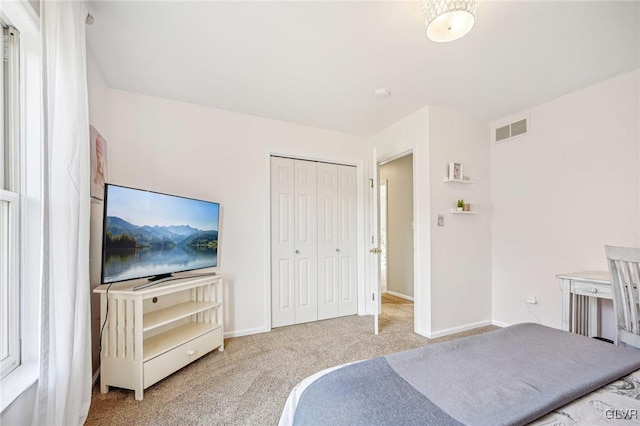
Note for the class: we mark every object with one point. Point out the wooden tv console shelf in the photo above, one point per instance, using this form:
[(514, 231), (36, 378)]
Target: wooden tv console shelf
[(152, 332)]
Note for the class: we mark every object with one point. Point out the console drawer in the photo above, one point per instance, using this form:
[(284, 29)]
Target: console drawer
[(163, 365), (592, 289)]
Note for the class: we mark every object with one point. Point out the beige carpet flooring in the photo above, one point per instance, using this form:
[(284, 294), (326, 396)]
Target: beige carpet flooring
[(249, 382)]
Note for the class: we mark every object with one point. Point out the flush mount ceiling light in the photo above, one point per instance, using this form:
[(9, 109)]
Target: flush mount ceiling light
[(448, 20)]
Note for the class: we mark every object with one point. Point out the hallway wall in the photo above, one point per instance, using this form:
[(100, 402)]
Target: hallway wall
[(399, 176)]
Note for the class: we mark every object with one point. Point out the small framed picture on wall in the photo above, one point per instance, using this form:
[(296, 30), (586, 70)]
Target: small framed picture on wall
[(455, 171), (98, 147)]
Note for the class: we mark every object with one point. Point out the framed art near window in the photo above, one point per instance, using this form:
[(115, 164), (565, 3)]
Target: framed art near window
[(98, 150)]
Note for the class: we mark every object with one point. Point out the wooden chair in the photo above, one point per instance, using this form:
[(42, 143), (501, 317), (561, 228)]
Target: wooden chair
[(624, 266)]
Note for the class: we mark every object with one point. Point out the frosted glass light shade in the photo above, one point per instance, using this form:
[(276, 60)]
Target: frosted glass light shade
[(448, 20)]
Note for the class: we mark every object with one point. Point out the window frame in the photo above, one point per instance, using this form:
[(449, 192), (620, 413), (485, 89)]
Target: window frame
[(9, 268), (10, 248), (21, 15)]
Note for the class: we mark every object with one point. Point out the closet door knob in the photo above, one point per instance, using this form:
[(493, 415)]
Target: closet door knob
[(297, 251), (337, 250)]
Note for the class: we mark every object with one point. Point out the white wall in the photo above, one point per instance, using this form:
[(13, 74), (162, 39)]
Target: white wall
[(561, 193), (204, 153), (399, 176), (97, 90), (461, 249), (21, 411)]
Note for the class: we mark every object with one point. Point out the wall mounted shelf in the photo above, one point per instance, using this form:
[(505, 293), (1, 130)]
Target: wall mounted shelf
[(454, 211), (447, 180)]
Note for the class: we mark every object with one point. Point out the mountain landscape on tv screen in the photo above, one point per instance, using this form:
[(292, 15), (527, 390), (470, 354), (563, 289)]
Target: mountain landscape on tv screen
[(121, 234)]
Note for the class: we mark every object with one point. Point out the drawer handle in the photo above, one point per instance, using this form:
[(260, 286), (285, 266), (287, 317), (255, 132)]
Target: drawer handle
[(594, 290), (191, 352)]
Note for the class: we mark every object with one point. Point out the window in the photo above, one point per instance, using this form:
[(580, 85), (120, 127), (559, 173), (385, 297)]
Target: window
[(10, 205), (20, 201)]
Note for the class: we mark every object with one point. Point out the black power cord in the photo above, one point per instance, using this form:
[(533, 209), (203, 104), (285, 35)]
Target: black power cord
[(106, 316)]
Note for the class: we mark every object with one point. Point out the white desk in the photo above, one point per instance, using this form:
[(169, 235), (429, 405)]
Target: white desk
[(580, 294)]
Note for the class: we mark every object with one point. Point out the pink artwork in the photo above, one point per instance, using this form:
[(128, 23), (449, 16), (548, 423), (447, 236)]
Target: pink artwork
[(98, 149)]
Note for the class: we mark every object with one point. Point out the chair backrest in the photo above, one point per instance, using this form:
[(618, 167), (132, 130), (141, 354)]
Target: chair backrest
[(624, 266)]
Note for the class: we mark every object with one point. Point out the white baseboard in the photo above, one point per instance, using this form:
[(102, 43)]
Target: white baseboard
[(245, 332), (500, 323), (402, 296), (453, 330), (434, 335), (422, 332)]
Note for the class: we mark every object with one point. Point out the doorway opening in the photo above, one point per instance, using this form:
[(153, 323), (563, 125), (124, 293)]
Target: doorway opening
[(396, 240)]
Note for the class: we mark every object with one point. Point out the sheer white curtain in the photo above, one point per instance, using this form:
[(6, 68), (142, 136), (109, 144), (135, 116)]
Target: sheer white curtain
[(64, 389)]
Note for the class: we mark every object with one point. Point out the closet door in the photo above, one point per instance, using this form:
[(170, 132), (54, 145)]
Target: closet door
[(313, 241), (337, 248), (328, 246), (347, 244), (282, 242), (305, 241)]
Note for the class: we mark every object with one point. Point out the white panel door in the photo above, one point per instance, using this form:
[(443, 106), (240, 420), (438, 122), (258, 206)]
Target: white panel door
[(373, 262), (282, 242), (347, 245), (328, 244), (306, 241)]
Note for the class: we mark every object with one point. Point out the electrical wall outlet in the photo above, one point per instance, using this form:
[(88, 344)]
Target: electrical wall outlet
[(533, 299)]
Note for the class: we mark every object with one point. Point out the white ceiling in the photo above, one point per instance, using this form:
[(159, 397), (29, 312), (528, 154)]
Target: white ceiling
[(318, 63)]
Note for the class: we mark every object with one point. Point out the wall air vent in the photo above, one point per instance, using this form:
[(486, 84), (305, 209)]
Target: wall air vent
[(509, 131), (503, 133)]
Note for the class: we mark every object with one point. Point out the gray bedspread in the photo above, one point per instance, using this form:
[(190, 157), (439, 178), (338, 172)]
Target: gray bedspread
[(510, 376)]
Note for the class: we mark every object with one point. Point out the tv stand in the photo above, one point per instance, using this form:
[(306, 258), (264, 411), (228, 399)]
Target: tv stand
[(152, 332)]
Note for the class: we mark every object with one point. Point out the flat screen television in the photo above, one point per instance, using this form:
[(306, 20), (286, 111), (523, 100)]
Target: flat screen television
[(152, 235)]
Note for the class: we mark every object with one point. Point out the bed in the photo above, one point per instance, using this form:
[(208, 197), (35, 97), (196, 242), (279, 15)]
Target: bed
[(523, 374)]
